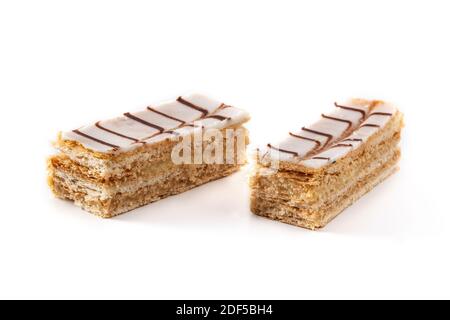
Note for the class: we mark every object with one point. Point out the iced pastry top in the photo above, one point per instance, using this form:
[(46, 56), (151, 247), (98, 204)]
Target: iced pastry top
[(156, 123), (337, 133)]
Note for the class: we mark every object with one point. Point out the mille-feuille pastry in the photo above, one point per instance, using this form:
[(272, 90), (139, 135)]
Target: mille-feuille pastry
[(317, 171), (116, 165)]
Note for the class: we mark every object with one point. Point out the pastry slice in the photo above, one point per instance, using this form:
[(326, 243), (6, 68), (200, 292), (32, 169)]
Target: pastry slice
[(116, 165), (317, 171)]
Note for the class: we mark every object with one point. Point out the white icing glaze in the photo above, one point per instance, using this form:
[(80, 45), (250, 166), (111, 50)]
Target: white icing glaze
[(162, 121), (344, 136)]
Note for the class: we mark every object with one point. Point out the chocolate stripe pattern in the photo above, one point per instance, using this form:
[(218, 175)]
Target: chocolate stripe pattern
[(363, 112), (174, 118), (78, 132), (165, 115), (354, 115), (317, 142), (183, 123), (348, 122), (283, 150), (98, 125), (193, 106), (324, 134), (154, 126)]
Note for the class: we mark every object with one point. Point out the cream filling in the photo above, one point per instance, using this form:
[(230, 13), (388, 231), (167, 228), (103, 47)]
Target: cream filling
[(94, 191), (106, 168), (330, 195), (307, 190)]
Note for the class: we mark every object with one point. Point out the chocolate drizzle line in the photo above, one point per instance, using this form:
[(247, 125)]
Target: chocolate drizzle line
[(154, 126), (370, 125), (327, 135), (306, 138), (283, 150), (95, 139), (341, 145), (318, 143), (218, 117), (193, 106), (224, 106), (161, 130), (363, 113), (165, 115), (184, 124), (348, 122), (379, 114), (159, 133), (172, 132), (98, 125), (330, 137)]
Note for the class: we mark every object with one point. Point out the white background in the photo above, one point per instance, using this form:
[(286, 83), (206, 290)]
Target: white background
[(67, 63)]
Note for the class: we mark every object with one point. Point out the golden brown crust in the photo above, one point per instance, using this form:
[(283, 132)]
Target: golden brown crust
[(311, 189), (108, 184), (310, 197), (318, 218), (186, 178)]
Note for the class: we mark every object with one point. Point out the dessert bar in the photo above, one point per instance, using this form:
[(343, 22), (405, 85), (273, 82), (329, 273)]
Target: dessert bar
[(116, 165), (317, 171)]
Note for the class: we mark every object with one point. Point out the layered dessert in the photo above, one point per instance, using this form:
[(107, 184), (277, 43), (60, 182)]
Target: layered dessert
[(317, 171), (113, 166)]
